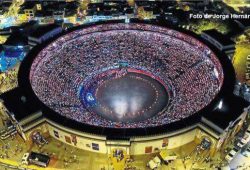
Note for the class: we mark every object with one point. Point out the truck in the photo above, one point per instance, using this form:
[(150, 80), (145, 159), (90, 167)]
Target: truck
[(36, 159)]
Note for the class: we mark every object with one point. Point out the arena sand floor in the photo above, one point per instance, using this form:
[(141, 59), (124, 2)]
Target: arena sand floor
[(130, 98)]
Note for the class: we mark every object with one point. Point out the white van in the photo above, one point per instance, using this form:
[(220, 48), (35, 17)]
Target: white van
[(246, 138), (246, 153), (240, 144), (229, 157), (152, 165), (248, 130), (25, 159)]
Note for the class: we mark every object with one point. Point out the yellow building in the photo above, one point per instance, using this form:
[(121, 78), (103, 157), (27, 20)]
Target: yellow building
[(145, 13), (29, 10), (22, 17)]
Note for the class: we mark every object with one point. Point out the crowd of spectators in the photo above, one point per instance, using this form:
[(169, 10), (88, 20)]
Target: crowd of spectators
[(187, 67)]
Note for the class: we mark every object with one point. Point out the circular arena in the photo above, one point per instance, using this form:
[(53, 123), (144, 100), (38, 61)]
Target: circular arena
[(125, 76)]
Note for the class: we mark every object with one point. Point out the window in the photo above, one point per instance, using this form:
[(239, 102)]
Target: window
[(148, 149), (67, 139), (74, 139), (56, 134), (95, 146)]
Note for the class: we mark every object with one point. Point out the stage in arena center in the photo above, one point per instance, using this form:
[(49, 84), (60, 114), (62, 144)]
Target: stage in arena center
[(126, 97)]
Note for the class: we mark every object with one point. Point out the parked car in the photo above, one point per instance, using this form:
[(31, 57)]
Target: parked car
[(229, 157), (240, 144), (25, 159), (248, 130), (154, 163), (246, 138), (246, 153)]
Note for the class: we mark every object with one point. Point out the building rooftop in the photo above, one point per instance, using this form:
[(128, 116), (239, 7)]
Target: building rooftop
[(96, 5), (6, 5), (44, 13), (129, 11), (28, 5), (145, 3), (41, 30), (231, 109), (244, 22), (17, 39), (223, 39), (148, 9), (53, 6), (17, 105), (21, 11), (1, 11)]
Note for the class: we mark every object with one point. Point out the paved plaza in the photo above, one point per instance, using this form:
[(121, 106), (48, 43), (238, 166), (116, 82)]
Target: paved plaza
[(64, 156)]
